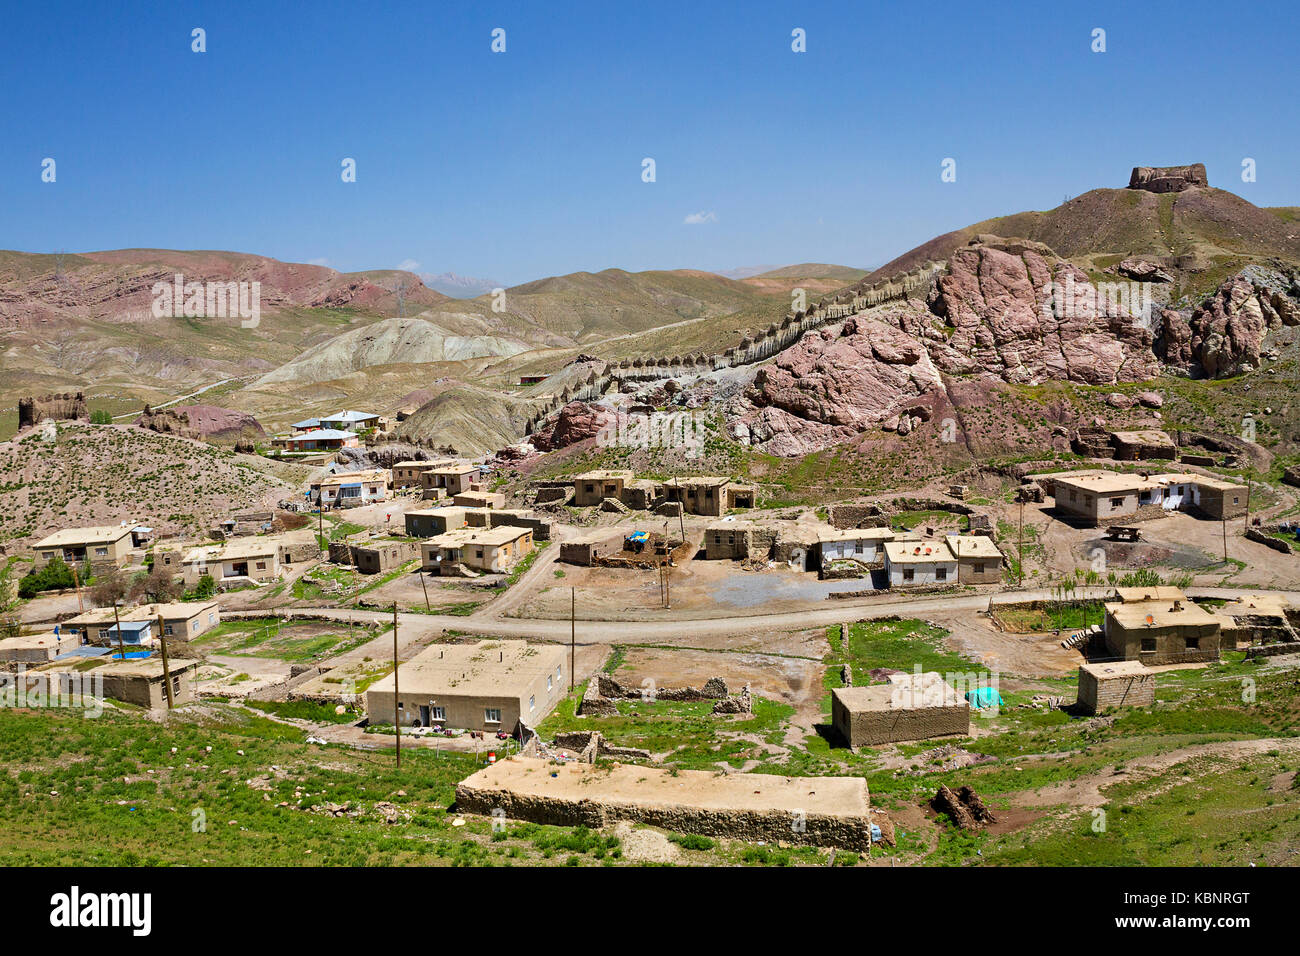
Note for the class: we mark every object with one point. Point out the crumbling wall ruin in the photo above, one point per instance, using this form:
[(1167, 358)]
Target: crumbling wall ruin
[(60, 406)]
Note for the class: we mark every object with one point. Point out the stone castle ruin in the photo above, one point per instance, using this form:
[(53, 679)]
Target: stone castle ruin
[(1167, 179), (64, 406)]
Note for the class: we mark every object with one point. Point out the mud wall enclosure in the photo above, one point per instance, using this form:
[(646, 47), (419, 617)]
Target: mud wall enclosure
[(821, 811)]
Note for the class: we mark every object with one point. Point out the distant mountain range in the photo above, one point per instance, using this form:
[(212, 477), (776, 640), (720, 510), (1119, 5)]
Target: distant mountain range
[(459, 286)]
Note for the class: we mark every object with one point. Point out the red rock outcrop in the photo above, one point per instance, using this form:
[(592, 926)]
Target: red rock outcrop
[(577, 421)]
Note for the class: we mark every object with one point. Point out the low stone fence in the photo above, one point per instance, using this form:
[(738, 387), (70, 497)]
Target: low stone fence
[(1277, 544), (1273, 650)]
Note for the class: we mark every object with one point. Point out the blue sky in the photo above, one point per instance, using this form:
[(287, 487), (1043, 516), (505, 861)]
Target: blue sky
[(528, 163)]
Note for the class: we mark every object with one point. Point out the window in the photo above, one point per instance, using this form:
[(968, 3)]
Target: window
[(717, 539), (859, 547), (548, 681), (374, 490), (354, 492), (1117, 502), (589, 488), (1193, 644), (941, 574), (557, 673), (167, 629), (261, 565), (212, 617), (1148, 644), (979, 567), (532, 703), (492, 715), (439, 713), (100, 552), (908, 574), (194, 625), (1235, 499)]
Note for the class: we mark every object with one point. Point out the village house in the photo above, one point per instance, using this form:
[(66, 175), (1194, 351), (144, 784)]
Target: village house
[(1103, 686), (863, 545), (445, 481), (727, 540), (139, 682), (488, 686), (1102, 497), (909, 707), (406, 474), (1160, 628), (319, 439), (593, 487), (185, 620), (490, 550), (240, 561), (915, 562), (348, 489), (588, 547), (978, 559), (479, 499), (103, 545), (34, 648), (373, 555), (306, 425), (352, 421), (709, 496), (427, 522)]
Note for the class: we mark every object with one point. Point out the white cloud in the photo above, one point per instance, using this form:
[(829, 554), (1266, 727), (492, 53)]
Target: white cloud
[(698, 218), (322, 261), (408, 265)]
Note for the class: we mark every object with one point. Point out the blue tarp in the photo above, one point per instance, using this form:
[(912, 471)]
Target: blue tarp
[(982, 697)]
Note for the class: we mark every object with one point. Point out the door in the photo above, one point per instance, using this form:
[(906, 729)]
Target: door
[(424, 715)]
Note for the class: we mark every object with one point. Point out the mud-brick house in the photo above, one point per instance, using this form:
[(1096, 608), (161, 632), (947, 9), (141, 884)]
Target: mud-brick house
[(318, 439), (446, 481), (406, 474), (864, 545), (978, 559), (1165, 628), (1100, 497), (593, 487), (240, 561), (910, 707), (427, 522), (103, 545), (485, 550), (489, 686), (710, 495)]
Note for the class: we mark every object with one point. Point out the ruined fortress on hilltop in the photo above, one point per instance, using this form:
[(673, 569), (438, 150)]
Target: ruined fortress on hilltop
[(1167, 179)]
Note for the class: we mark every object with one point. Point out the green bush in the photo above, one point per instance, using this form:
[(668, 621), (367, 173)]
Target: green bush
[(52, 577)]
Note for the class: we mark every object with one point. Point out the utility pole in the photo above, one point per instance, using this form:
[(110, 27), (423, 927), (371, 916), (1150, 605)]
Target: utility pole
[(320, 522), (167, 671), (573, 632), (121, 651), (76, 583), (397, 717), (425, 588), (1224, 522), (1020, 544)]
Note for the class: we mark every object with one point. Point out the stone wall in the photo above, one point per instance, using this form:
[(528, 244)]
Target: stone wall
[(56, 405), (1098, 692)]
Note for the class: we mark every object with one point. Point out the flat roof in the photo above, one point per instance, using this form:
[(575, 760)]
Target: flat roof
[(1115, 669), (709, 480), (150, 668), (973, 546), (1147, 436), (346, 477), (859, 534), (635, 785), (319, 433), (1161, 593), (903, 692), (460, 468), (487, 668), (1107, 482), (233, 550), (459, 537), (917, 552), (1133, 615), (602, 475), (94, 535), (447, 510)]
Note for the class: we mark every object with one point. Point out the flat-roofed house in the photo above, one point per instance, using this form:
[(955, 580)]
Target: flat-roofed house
[(978, 559), (406, 474), (489, 686), (910, 707), (104, 544), (1218, 499), (593, 487), (1103, 686), (181, 619), (865, 545), (427, 522), (1163, 630), (708, 495), (488, 550), (445, 481), (914, 563), (727, 539), (352, 421), (1101, 497), (479, 499), (348, 489), (252, 559), (140, 682), (320, 439)]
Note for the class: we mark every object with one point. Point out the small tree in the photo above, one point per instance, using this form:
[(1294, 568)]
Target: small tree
[(158, 585), (111, 585), (205, 588)]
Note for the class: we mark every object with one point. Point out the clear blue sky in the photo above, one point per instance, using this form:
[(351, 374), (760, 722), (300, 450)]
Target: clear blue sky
[(518, 165)]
